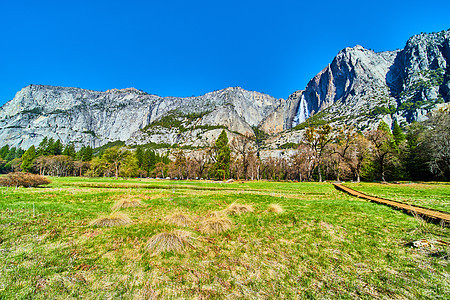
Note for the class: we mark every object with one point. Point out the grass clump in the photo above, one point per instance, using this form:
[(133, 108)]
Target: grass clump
[(215, 225), (176, 241), (17, 179), (179, 219), (237, 209), (126, 203), (275, 208), (215, 214), (115, 219)]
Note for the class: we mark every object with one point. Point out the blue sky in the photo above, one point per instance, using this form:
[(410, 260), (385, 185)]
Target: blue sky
[(185, 48)]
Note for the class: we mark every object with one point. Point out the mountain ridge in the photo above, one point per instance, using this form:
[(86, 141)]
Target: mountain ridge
[(359, 87)]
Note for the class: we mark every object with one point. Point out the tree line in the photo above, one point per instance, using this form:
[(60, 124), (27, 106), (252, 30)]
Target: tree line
[(420, 151)]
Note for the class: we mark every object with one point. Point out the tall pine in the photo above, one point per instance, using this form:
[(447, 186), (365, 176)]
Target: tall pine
[(28, 158), (398, 134), (223, 156)]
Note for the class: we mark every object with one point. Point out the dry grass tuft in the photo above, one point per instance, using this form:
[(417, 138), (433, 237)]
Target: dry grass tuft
[(276, 208), (126, 202), (179, 219), (215, 214), (237, 209), (215, 225), (115, 219), (177, 241)]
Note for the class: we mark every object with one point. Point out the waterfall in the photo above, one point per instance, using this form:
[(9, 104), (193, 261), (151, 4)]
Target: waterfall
[(302, 112)]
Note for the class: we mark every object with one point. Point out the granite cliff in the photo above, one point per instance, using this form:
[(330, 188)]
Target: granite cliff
[(94, 118), (359, 87)]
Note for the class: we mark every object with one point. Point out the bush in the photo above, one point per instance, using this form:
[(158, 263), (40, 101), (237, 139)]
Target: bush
[(17, 179)]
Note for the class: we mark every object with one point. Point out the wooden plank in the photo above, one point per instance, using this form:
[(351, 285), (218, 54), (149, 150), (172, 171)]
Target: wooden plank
[(426, 213)]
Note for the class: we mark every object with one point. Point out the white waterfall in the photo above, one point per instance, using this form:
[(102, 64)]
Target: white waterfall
[(302, 112)]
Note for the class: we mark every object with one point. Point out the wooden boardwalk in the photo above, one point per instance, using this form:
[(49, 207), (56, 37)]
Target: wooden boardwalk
[(428, 214)]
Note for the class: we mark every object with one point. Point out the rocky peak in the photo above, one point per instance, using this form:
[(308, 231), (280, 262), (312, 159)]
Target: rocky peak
[(404, 84)]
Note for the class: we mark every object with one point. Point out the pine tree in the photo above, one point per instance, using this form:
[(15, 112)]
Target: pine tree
[(87, 155), (140, 156), (80, 153), (4, 152), (384, 127), (398, 134), (50, 145), (57, 148), (11, 154), (42, 147), (223, 156), (69, 150), (28, 158)]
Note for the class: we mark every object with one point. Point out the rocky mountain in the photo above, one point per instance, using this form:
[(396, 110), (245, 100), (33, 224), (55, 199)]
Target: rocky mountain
[(96, 118), (359, 87)]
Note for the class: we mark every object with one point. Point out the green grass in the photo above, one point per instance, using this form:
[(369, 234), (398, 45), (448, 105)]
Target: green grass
[(326, 244), (436, 196)]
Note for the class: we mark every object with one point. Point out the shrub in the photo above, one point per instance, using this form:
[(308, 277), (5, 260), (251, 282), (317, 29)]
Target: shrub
[(17, 179)]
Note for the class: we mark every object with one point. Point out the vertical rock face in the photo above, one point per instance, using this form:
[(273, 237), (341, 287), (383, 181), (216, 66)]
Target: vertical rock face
[(89, 117), (405, 84)]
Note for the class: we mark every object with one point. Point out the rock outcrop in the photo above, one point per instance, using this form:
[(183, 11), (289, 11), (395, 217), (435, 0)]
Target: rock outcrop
[(94, 118), (360, 87)]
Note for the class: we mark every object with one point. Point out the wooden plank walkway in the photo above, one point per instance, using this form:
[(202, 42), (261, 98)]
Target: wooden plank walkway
[(428, 214)]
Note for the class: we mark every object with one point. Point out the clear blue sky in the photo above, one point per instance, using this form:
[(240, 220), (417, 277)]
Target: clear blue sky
[(184, 48)]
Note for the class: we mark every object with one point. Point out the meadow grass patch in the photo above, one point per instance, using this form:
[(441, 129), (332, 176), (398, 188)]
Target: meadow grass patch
[(326, 244)]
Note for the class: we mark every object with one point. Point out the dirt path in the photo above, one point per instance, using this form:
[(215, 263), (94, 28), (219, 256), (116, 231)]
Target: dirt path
[(426, 213)]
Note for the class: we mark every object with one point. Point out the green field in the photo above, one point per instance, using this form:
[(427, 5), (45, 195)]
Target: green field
[(436, 196), (326, 244)]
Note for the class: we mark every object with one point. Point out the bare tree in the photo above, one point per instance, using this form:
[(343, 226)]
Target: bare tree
[(318, 139), (383, 149), (354, 149), (243, 148)]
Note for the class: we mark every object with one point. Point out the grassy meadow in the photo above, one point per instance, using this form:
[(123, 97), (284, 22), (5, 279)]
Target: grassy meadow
[(429, 195), (325, 244)]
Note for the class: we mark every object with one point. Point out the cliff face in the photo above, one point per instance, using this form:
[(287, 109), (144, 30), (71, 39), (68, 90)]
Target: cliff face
[(360, 87), (96, 118)]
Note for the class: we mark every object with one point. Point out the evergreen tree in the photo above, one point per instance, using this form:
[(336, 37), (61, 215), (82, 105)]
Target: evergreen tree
[(384, 127), (28, 159), (54, 148), (19, 153), (87, 155), (11, 154), (398, 134), (50, 145), (69, 150), (4, 152), (140, 156), (42, 148), (223, 155), (57, 148), (80, 153)]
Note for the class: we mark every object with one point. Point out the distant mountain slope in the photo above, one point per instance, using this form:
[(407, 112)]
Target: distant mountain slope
[(360, 86), (96, 118)]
